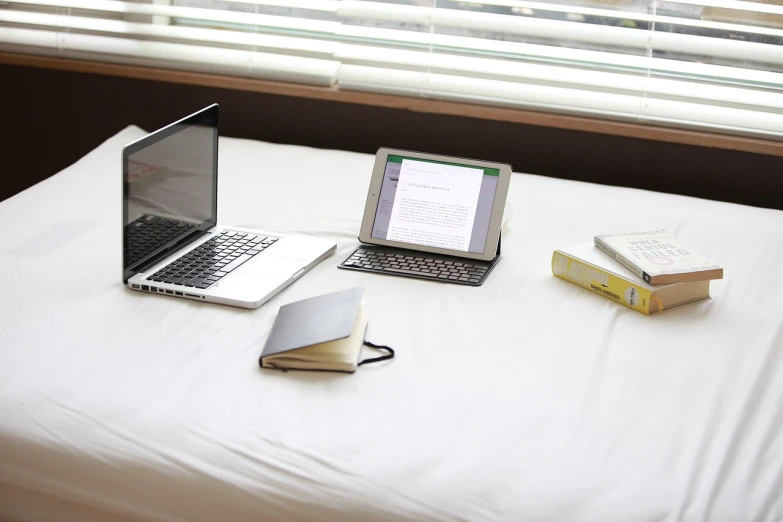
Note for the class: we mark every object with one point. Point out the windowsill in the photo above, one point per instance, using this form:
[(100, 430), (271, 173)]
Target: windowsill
[(575, 123)]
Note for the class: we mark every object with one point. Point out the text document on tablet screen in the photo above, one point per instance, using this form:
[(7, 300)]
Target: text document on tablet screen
[(435, 203)]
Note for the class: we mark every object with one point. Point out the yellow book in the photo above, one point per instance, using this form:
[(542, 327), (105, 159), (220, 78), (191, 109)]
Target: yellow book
[(585, 265)]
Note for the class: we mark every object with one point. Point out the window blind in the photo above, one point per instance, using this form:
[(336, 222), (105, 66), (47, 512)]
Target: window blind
[(703, 64)]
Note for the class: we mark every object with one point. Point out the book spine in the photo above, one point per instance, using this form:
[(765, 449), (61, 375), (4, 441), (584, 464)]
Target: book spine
[(599, 281), (617, 256)]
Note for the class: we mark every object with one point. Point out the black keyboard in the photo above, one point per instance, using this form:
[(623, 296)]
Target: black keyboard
[(149, 233), (416, 265), (213, 260)]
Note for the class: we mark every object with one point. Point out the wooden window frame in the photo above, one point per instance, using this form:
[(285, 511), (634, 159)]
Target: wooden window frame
[(557, 121)]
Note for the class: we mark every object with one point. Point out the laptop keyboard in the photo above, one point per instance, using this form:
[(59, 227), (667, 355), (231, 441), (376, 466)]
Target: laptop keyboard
[(213, 260), (417, 266), (148, 233)]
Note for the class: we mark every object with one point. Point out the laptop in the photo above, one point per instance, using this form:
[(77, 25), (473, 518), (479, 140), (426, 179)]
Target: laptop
[(172, 242), (432, 217)]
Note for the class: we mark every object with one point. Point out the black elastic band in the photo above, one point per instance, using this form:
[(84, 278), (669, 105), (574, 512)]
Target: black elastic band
[(390, 355)]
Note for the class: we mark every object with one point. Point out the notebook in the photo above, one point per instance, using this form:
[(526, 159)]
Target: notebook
[(325, 332)]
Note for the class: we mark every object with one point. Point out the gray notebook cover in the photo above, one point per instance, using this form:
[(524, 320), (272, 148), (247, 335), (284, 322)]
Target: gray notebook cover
[(319, 319)]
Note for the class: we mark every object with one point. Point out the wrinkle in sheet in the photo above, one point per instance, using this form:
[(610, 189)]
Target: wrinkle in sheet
[(594, 387), (747, 409), (727, 429), (773, 498), (329, 482)]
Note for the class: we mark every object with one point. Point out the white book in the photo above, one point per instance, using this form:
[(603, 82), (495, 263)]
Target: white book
[(658, 258)]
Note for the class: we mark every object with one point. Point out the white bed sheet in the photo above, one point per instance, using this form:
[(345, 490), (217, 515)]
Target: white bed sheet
[(525, 399)]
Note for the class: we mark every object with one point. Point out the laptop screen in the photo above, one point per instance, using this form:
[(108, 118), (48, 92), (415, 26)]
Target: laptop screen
[(434, 203), (169, 189)]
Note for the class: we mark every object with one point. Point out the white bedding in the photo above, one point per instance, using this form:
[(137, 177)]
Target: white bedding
[(525, 399)]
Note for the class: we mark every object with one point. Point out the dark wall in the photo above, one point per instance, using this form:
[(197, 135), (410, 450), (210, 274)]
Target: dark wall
[(56, 117)]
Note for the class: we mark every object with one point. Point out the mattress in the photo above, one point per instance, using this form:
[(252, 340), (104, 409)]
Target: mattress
[(525, 399)]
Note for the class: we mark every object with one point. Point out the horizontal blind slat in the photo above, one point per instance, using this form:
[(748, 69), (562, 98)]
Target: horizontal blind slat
[(565, 31), (631, 15), (195, 13), (737, 5), (553, 99), (207, 59), (558, 76), (562, 54), (310, 5), (193, 34)]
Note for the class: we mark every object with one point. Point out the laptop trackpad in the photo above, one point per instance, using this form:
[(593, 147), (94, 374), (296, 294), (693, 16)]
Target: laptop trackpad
[(258, 278)]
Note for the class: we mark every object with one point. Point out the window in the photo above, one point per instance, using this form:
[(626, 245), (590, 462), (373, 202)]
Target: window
[(703, 64)]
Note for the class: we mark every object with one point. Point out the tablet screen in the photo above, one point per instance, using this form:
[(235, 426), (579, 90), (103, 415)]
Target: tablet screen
[(435, 203)]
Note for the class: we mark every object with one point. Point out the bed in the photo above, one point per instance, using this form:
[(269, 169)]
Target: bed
[(525, 399)]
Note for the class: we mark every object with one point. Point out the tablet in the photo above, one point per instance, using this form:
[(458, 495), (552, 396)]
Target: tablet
[(432, 203)]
